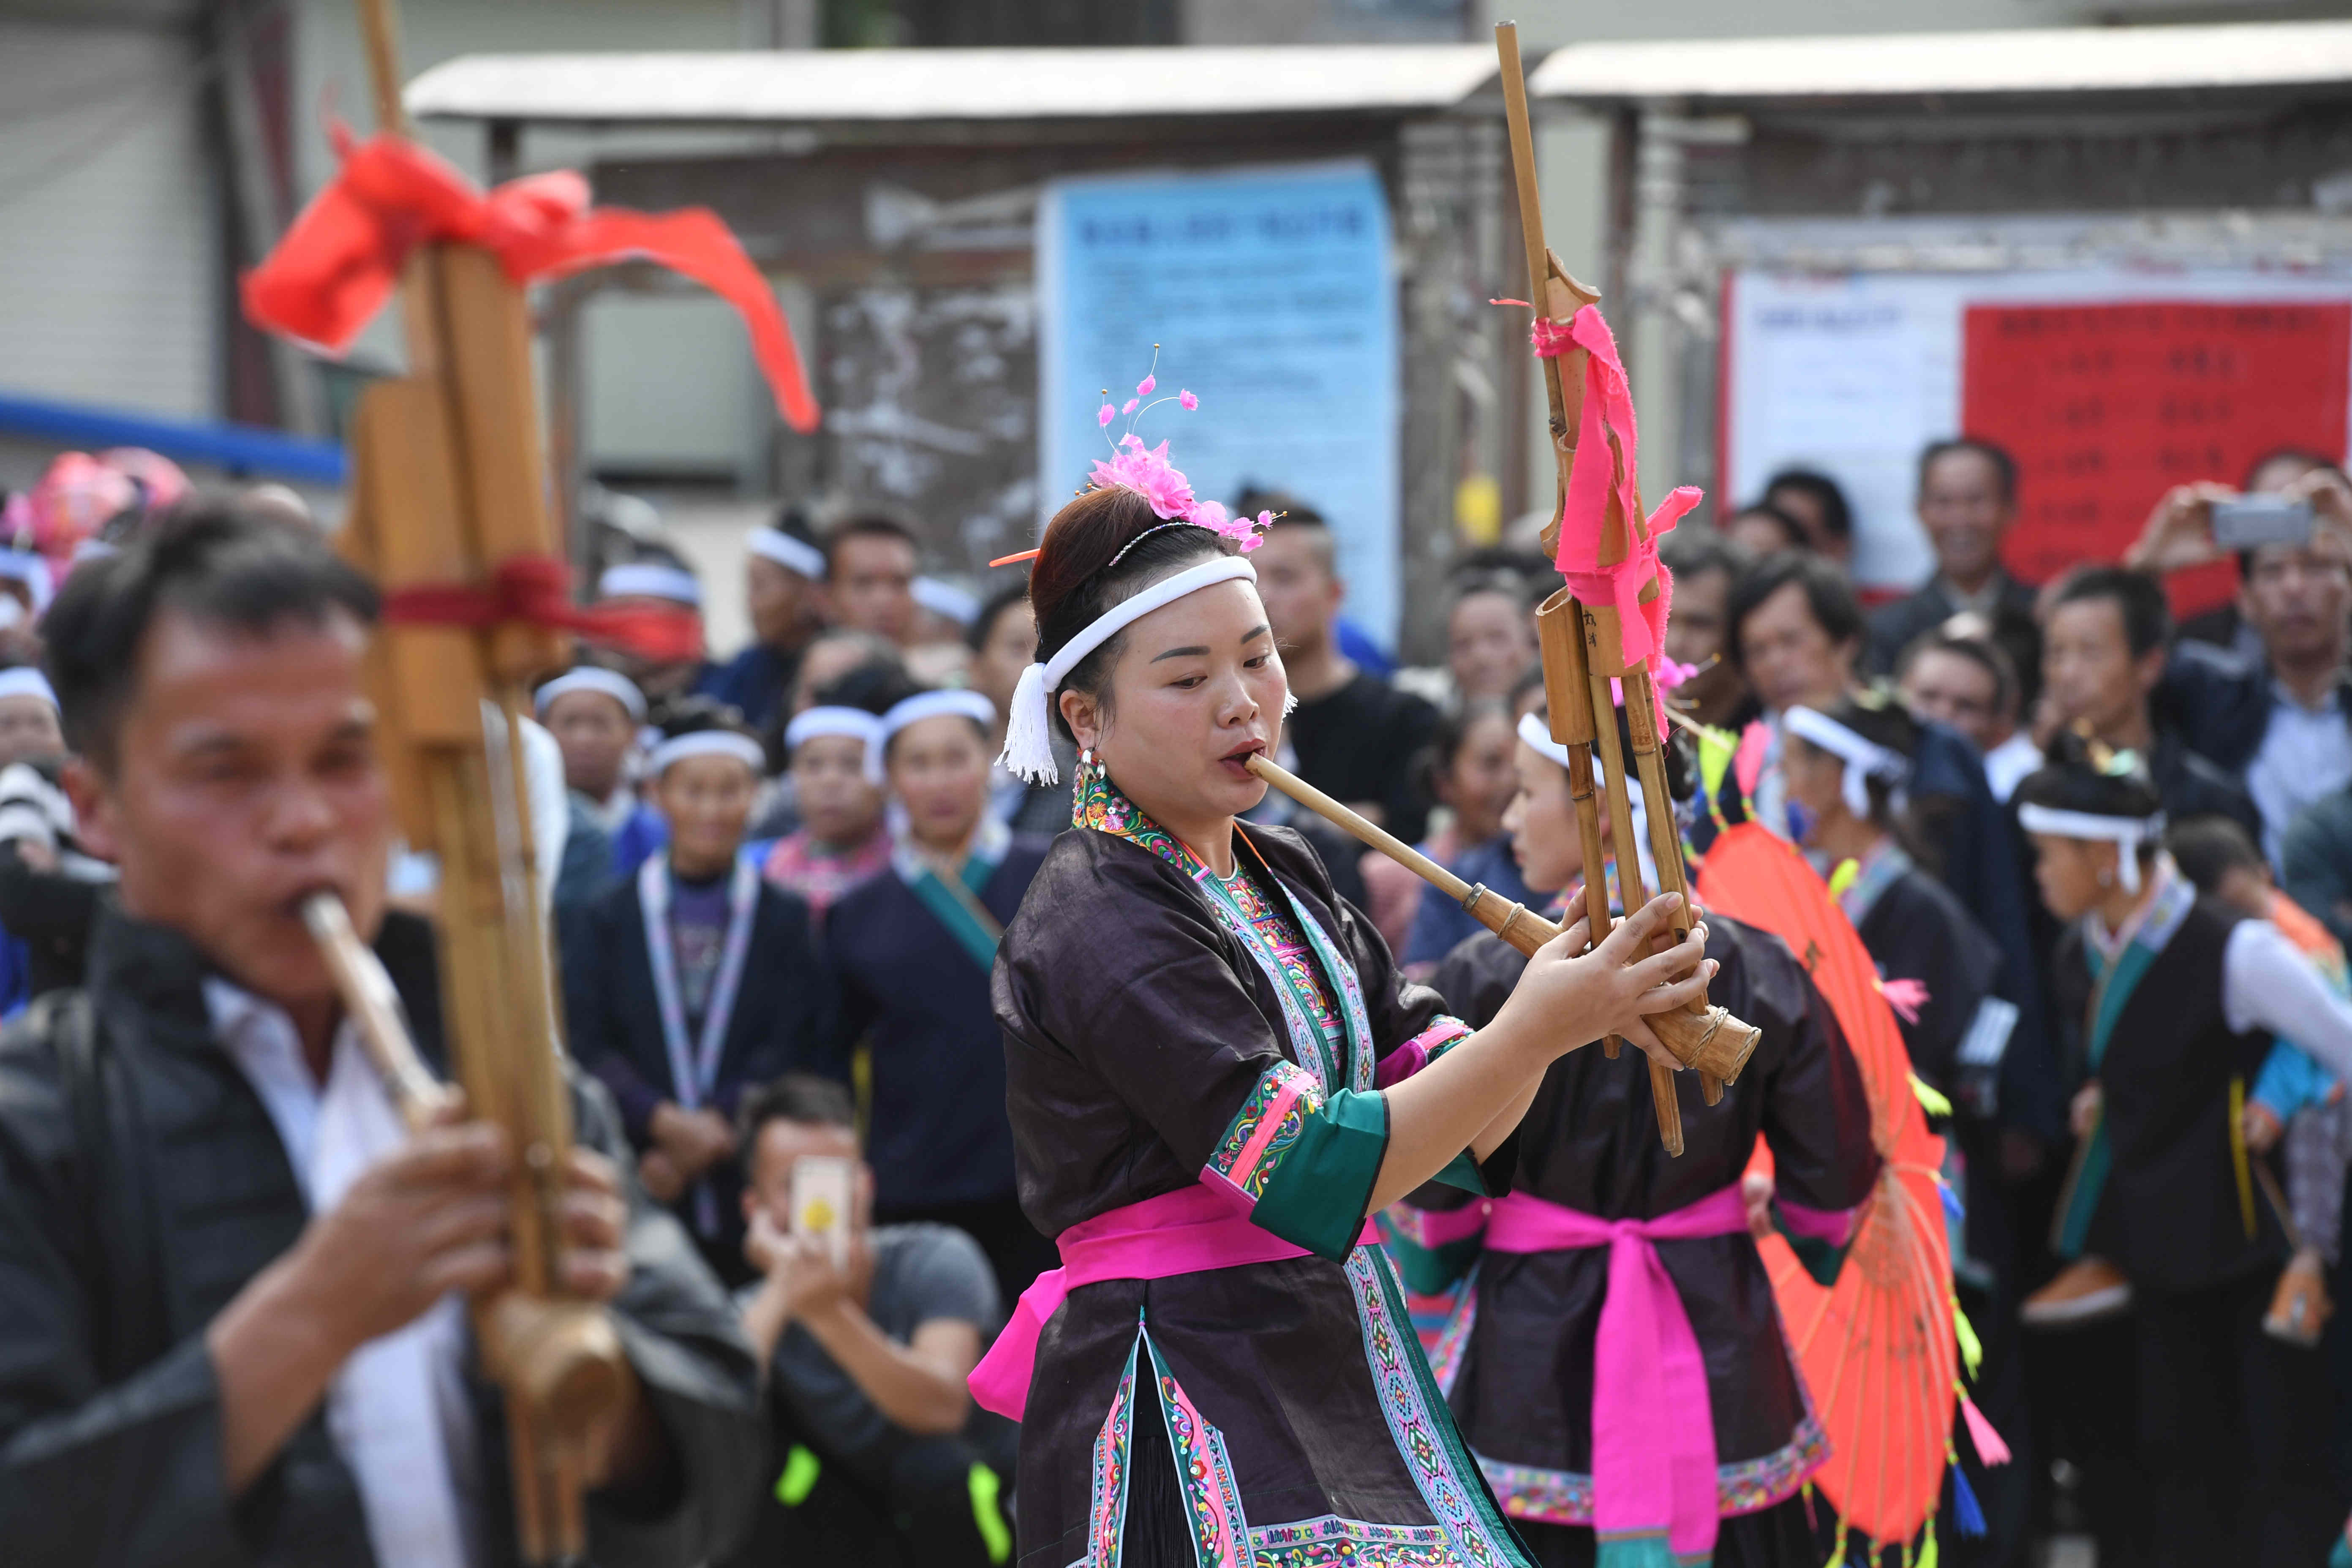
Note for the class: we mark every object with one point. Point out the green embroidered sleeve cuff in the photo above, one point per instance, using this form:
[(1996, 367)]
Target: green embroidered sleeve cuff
[(1319, 1190)]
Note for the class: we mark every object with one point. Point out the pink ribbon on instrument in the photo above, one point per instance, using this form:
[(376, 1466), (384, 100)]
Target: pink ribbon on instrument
[(337, 263), (1595, 474), (1193, 1230), (1654, 1458)]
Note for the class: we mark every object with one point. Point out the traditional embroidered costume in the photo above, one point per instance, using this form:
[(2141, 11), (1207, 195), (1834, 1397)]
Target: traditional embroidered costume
[(1224, 1373), (1597, 1212)]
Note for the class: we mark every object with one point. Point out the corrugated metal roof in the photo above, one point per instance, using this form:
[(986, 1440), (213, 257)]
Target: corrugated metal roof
[(2043, 61), (788, 86)]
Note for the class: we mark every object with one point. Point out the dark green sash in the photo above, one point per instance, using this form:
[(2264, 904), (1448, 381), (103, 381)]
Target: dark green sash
[(959, 908), (2088, 1179)]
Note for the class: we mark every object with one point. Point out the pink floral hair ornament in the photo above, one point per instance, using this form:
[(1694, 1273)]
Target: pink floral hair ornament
[(1147, 472)]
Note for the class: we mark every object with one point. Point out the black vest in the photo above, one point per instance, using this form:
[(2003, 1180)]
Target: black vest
[(2173, 1214)]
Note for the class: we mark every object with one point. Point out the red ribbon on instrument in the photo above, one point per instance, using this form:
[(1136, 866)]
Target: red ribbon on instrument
[(337, 266), (536, 590)]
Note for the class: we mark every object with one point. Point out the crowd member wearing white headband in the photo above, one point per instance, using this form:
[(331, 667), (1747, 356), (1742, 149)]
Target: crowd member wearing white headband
[(595, 715), (1202, 1037), (2181, 997), (657, 583), (1552, 1291), (783, 593), (29, 717), (1944, 972), (915, 950), (693, 979), (841, 840)]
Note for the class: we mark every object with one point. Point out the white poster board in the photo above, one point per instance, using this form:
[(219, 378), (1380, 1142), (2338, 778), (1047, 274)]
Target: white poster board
[(1853, 374), (1271, 294)]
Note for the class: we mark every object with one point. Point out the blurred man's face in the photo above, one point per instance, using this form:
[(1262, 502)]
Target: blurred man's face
[(786, 608), (2296, 597), (1965, 514), (837, 803), (595, 735), (1004, 653), (872, 585), (783, 1144), (1302, 592), (1694, 635), (28, 729), (2088, 674), (244, 778), (1490, 643), (1790, 659), (1952, 689)]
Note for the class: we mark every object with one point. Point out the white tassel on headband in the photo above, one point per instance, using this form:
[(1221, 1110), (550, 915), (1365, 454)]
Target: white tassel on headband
[(2125, 833), (707, 743), (971, 705), (1028, 732), (1865, 758)]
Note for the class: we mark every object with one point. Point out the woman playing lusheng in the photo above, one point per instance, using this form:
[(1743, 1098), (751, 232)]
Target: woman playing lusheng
[(1215, 1074), (1559, 1360)]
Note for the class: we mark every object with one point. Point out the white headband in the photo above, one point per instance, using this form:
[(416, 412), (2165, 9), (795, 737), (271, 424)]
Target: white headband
[(1029, 736), (649, 580), (1864, 759), (2125, 833), (589, 677), (28, 567), (945, 599), (708, 743), (23, 680), (854, 723), (971, 705), (797, 555), (1537, 733)]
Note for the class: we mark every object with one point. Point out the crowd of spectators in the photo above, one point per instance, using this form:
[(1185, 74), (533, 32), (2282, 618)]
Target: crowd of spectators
[(777, 882)]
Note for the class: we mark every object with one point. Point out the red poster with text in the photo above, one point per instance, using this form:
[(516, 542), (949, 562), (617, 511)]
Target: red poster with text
[(2107, 407)]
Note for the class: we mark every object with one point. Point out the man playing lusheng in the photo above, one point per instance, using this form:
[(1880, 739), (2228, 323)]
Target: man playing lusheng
[(232, 1288)]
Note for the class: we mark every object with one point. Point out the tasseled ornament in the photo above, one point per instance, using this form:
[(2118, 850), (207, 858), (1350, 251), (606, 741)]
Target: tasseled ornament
[(1029, 730), (1929, 1100), (1837, 1557), (1926, 1558), (1991, 1449), (1971, 1348), (1953, 1209), (1847, 871), (1965, 1511)]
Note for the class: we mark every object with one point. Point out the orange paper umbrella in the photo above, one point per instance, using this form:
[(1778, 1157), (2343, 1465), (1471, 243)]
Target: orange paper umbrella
[(1877, 1348)]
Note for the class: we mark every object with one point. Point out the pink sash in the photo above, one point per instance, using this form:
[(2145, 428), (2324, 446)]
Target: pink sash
[(1193, 1230), (1654, 1458)]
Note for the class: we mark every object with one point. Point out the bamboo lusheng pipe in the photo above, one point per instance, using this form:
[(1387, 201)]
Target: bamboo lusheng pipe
[(1691, 1039), (1559, 630), (561, 1360)]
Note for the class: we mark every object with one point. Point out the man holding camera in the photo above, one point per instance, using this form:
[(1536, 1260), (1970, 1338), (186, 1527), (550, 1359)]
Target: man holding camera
[(867, 1335), (2280, 724)]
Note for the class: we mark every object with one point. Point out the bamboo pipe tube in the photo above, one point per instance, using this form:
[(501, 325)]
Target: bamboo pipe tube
[(1560, 626), (1666, 843), (373, 1007), (1631, 894), (1690, 1038)]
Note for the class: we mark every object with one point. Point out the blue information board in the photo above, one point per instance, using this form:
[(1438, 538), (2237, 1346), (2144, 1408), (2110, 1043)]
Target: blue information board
[(1272, 293)]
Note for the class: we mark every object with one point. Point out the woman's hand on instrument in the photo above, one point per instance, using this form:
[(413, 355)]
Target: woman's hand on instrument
[(1569, 997), (595, 1227), (2082, 1115)]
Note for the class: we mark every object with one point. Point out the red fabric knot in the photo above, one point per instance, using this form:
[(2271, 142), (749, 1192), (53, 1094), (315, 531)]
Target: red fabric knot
[(536, 591), (338, 263)]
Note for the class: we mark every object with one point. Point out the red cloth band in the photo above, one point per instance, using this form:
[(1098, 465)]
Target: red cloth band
[(337, 263), (536, 591)]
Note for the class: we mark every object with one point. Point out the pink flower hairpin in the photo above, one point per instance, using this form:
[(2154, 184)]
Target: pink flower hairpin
[(1147, 472)]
